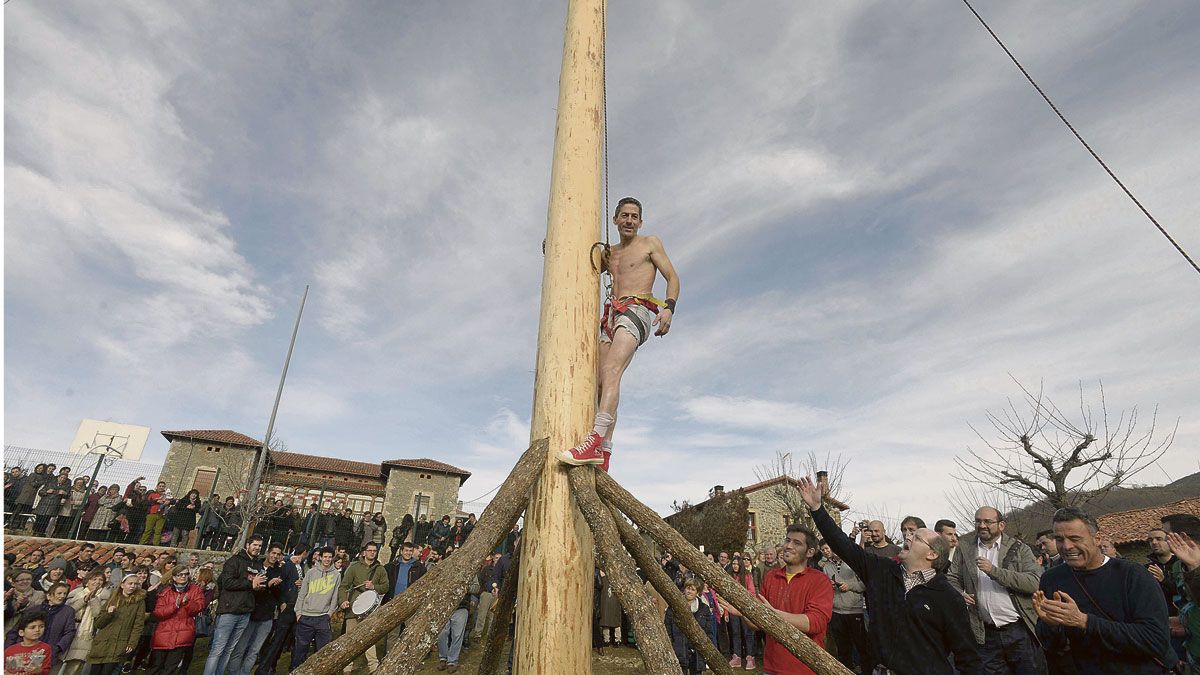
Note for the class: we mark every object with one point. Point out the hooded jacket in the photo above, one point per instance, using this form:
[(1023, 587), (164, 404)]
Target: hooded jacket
[(318, 592), (118, 630), (177, 624)]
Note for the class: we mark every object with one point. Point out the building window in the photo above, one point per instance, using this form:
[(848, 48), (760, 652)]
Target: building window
[(421, 505), (752, 528)]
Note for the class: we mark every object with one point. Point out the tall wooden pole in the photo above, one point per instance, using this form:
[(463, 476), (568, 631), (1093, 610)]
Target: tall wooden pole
[(554, 602)]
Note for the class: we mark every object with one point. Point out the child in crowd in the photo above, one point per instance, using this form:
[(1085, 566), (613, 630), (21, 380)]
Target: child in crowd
[(689, 659), (30, 656)]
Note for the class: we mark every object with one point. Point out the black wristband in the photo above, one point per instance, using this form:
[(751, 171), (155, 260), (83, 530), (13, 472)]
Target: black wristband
[(671, 304)]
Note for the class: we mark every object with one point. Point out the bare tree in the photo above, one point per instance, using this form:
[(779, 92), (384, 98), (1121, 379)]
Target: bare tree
[(254, 508), (785, 495), (1039, 453)]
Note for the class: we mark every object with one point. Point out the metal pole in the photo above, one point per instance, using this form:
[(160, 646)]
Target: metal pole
[(77, 522), (312, 536), (261, 461)]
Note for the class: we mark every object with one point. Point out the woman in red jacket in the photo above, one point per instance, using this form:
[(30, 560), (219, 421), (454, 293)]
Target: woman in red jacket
[(178, 604)]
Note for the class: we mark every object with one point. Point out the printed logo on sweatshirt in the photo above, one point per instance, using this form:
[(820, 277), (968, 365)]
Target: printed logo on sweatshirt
[(323, 585)]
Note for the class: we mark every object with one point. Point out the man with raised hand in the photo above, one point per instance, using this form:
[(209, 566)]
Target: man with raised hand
[(997, 575), (630, 314), (1100, 614), (917, 619)]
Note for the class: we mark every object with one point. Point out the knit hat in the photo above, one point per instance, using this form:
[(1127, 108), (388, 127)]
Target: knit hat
[(58, 563)]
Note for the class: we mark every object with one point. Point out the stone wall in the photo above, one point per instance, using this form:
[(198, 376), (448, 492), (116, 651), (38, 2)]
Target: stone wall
[(186, 459), (772, 518), (403, 486)]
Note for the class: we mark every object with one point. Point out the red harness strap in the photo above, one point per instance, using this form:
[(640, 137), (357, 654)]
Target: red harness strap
[(613, 307)]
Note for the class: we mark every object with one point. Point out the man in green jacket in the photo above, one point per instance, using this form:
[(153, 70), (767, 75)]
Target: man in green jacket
[(998, 575), (365, 574)]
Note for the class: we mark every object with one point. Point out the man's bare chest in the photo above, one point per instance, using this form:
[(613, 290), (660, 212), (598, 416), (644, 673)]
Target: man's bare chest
[(633, 261)]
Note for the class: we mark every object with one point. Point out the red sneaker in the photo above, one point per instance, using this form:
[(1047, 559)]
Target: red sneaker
[(587, 452), (607, 458)]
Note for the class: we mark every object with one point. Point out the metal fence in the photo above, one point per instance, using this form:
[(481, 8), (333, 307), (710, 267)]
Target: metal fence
[(119, 471)]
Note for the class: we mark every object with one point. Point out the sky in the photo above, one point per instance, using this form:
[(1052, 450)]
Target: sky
[(879, 227)]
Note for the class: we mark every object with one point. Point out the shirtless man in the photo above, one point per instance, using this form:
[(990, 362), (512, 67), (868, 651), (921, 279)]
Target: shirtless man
[(629, 316)]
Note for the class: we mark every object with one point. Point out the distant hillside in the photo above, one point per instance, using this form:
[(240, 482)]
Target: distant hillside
[(1028, 521)]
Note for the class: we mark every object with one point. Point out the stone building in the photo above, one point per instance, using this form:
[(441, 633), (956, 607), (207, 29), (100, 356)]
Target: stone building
[(221, 460), (767, 515)]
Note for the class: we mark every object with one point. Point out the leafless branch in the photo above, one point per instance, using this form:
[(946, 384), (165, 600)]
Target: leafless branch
[(1038, 452)]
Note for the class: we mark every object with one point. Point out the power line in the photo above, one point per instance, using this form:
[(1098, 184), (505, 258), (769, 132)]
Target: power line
[(1096, 156), (483, 495)]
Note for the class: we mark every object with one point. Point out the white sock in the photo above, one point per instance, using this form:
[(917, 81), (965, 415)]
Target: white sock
[(604, 422), (606, 445)]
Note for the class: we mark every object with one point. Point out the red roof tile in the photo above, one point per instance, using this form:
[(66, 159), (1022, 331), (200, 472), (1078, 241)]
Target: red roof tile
[(69, 549), (216, 435), (1125, 527), (316, 463)]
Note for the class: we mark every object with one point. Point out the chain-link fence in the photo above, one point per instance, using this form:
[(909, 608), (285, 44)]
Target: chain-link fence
[(62, 514)]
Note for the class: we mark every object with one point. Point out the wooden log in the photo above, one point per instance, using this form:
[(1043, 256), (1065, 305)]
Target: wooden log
[(554, 598), (496, 521), (821, 661), (644, 556), (493, 651), (653, 643)]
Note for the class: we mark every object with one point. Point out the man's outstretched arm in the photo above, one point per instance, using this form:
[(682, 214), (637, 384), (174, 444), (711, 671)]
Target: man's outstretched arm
[(850, 553)]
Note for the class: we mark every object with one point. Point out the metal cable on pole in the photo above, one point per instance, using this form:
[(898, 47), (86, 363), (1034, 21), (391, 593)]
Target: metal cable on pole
[(261, 461), (1093, 153)]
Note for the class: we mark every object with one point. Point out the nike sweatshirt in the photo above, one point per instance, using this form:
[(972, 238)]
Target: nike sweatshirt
[(318, 592)]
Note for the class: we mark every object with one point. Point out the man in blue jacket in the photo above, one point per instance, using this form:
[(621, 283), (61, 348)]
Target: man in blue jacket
[(1104, 615)]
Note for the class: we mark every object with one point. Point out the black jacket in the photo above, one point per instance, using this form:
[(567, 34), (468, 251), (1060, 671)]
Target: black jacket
[(288, 591), (415, 572), (914, 632), (689, 657), (235, 593), (343, 530), (421, 533)]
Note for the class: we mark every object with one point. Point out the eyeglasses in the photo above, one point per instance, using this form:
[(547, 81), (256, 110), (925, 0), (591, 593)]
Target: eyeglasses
[(918, 537)]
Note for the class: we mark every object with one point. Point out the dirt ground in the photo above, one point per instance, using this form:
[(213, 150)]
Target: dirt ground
[(613, 661)]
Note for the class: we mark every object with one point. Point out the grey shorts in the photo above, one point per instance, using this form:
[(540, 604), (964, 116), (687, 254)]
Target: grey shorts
[(636, 319)]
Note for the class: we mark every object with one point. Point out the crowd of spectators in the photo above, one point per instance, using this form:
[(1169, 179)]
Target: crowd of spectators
[(147, 612), (49, 503)]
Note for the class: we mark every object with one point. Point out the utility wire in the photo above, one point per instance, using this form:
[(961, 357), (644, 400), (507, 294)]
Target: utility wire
[(1096, 156)]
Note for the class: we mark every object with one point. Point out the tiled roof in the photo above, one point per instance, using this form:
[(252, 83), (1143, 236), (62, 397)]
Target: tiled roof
[(69, 549), (426, 464), (1125, 527), (315, 463), (216, 435), (282, 481)]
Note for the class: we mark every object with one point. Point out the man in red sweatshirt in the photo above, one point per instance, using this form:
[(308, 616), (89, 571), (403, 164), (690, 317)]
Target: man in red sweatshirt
[(800, 594)]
